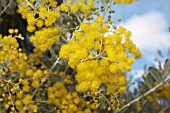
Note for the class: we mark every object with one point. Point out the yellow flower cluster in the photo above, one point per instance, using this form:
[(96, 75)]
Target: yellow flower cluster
[(43, 39), (10, 53), (162, 93), (99, 56), (45, 14), (100, 59), (64, 7), (15, 98), (81, 6), (23, 103), (21, 70), (124, 1), (66, 78), (68, 102), (165, 91), (34, 58)]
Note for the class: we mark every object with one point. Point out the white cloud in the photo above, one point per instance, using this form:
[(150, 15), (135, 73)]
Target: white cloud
[(149, 31), (136, 74)]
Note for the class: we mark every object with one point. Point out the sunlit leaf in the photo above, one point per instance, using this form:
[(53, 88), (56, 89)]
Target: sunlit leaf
[(155, 73), (149, 80), (167, 67), (0, 7), (143, 87), (38, 3), (55, 78), (63, 62), (46, 62), (74, 1), (103, 2), (53, 54), (93, 52), (3, 2)]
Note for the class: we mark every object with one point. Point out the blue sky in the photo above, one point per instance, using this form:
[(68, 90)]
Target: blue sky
[(149, 21), (142, 7)]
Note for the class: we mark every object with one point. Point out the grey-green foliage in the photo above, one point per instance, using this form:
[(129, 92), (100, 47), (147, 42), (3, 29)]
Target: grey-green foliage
[(8, 7), (149, 80), (167, 67), (153, 75), (103, 2)]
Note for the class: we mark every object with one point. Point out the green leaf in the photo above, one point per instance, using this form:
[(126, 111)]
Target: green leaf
[(103, 2), (1, 19), (43, 109), (46, 62), (167, 67), (82, 0), (63, 62), (11, 9), (142, 86), (1, 106), (71, 25), (93, 52), (6, 64), (70, 87), (74, 1), (56, 47), (54, 56), (63, 26), (56, 78), (4, 2), (129, 97), (149, 80), (155, 74), (0, 7), (38, 3)]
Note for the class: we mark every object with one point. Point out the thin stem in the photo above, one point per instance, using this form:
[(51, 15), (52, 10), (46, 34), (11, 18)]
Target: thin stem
[(108, 5), (42, 101), (146, 94), (106, 99), (11, 97), (164, 109), (78, 18), (101, 44), (65, 40), (55, 63), (6, 7), (30, 5)]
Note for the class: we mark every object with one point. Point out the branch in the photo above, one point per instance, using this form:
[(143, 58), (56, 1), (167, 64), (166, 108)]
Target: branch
[(55, 63), (164, 109), (146, 94), (30, 5), (42, 101), (6, 7), (108, 5)]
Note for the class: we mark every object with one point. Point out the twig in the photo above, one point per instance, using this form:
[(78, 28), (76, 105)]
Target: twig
[(146, 94), (42, 101), (64, 39), (55, 63), (106, 8), (164, 109), (30, 5), (78, 18), (6, 7)]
